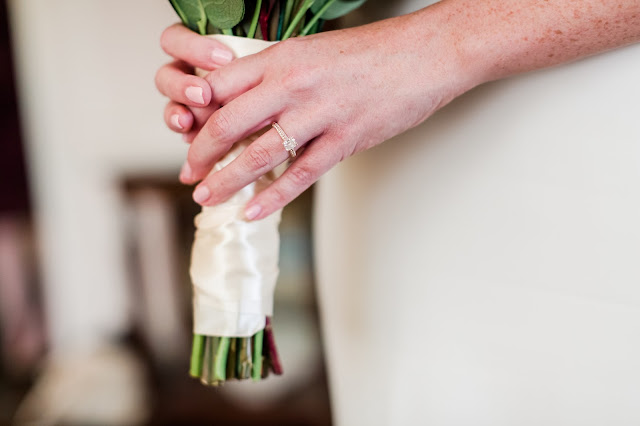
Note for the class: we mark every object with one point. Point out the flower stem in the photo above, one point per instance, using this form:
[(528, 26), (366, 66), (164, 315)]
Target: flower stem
[(220, 366), (197, 353), (316, 17), (244, 358), (296, 20), (288, 10), (270, 343), (281, 19), (215, 360), (254, 21), (208, 376), (257, 355), (232, 359)]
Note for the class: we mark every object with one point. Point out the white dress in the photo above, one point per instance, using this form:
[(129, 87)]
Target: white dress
[(484, 268)]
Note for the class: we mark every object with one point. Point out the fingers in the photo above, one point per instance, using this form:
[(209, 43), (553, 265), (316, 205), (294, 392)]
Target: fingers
[(174, 81), (199, 51), (231, 123), (186, 120), (259, 158), (236, 78), (178, 117), (317, 158)]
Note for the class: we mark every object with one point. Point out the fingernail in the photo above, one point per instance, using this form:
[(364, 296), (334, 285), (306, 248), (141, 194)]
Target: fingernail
[(194, 93), (185, 172), (175, 120), (221, 56), (253, 211), (201, 194)]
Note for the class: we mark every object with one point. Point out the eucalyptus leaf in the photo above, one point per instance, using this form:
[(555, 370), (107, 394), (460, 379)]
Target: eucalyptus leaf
[(192, 14), (179, 11), (224, 14), (337, 9)]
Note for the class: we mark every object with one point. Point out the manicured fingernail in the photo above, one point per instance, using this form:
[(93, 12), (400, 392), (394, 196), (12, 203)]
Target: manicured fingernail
[(175, 120), (185, 172), (201, 194), (253, 211), (221, 56), (194, 93)]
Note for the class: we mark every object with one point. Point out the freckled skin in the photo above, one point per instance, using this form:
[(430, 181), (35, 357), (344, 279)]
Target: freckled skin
[(355, 88), (507, 37)]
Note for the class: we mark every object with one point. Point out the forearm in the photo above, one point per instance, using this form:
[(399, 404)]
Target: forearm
[(494, 39)]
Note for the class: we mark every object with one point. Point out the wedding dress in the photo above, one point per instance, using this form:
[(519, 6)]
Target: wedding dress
[(484, 267)]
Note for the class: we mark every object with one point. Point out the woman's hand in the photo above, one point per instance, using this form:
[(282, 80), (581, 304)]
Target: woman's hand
[(336, 93), (342, 92), (190, 96)]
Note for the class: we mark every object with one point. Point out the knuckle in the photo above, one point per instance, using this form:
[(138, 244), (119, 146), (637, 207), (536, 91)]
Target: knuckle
[(298, 79), (278, 197), (301, 176), (214, 79), (259, 158), (346, 152), (219, 125)]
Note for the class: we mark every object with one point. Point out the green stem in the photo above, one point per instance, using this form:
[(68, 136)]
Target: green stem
[(280, 20), (227, 31), (222, 353), (257, 355), (244, 358), (288, 10), (231, 359), (315, 28), (254, 21), (296, 20), (210, 346), (197, 352), (316, 17)]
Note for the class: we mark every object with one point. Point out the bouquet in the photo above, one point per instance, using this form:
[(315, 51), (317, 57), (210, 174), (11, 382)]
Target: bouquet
[(234, 263), (277, 19)]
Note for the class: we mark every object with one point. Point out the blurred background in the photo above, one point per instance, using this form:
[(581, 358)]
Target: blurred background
[(95, 237)]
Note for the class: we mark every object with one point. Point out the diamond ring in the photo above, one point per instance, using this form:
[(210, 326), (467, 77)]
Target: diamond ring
[(289, 144)]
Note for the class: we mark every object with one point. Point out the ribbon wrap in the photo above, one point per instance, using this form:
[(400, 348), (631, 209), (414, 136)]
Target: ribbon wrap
[(234, 263)]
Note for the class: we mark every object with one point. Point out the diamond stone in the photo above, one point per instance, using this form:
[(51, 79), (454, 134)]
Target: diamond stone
[(290, 144)]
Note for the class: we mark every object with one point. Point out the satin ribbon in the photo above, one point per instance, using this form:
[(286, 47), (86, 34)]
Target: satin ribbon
[(234, 263)]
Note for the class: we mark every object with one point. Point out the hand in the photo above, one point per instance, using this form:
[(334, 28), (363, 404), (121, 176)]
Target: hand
[(190, 96), (336, 93)]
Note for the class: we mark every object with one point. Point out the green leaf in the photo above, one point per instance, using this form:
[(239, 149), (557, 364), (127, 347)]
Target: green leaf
[(179, 11), (337, 9), (224, 14), (192, 14)]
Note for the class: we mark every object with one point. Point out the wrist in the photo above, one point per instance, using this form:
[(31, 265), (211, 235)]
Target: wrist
[(438, 33), (459, 34)]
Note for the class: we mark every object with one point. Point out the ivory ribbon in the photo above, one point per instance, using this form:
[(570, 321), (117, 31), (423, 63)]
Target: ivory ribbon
[(234, 263)]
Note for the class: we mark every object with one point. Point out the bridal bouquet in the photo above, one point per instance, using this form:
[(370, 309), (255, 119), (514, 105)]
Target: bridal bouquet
[(234, 263), (277, 19)]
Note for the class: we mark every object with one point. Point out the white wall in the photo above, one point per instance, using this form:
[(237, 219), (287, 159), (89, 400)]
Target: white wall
[(91, 113)]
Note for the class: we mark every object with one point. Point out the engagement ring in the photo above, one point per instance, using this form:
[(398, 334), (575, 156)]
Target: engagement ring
[(289, 144)]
